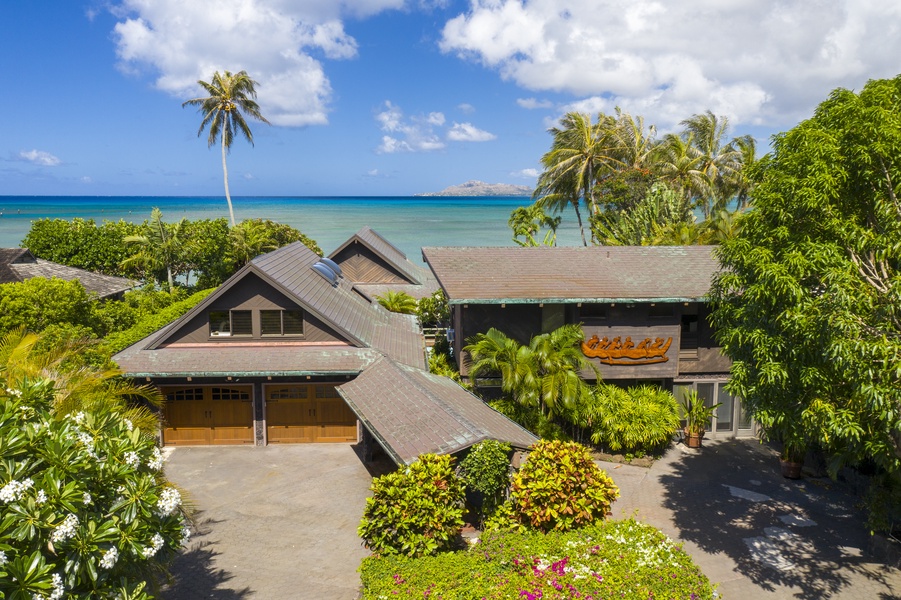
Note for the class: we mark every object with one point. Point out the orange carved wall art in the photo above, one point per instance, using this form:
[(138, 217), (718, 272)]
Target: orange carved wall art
[(625, 352)]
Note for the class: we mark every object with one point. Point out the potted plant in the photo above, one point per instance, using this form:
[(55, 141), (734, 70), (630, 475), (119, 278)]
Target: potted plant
[(791, 459), (697, 418)]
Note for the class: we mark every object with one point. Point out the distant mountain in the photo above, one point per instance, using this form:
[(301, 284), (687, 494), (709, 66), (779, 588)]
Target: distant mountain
[(480, 188)]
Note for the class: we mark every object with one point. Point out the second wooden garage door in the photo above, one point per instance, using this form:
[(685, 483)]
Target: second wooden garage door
[(308, 413)]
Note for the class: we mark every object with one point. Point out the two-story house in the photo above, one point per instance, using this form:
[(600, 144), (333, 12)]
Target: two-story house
[(643, 310), (287, 350)]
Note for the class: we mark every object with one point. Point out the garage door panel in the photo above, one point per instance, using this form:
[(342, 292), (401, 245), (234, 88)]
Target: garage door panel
[(308, 413), (292, 434), (208, 415), (186, 436)]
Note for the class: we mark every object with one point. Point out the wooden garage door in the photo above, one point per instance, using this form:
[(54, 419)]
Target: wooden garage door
[(308, 413), (208, 415)]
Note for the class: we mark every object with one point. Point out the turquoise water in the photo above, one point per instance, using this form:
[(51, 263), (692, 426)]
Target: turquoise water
[(407, 222)]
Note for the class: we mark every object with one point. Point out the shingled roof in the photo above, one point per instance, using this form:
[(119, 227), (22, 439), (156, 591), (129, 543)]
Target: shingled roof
[(491, 275), (411, 412), (19, 264), (371, 330)]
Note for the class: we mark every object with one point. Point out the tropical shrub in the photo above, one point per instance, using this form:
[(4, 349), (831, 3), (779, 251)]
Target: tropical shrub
[(433, 310), (154, 321), (398, 302), (531, 418), (80, 243), (610, 559), (85, 511), (559, 487), (485, 471), (636, 420), (416, 510), (38, 302)]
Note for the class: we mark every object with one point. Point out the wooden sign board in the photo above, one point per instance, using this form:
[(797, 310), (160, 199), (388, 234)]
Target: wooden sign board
[(633, 352)]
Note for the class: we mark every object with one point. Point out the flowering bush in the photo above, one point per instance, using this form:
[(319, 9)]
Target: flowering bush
[(84, 509), (611, 559), (414, 511)]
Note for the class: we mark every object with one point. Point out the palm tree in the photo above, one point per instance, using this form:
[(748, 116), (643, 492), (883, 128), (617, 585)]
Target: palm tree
[(161, 248), (634, 145), (251, 238), (527, 221), (76, 387), (495, 354), (720, 162), (229, 95), (398, 302), (559, 361), (579, 151)]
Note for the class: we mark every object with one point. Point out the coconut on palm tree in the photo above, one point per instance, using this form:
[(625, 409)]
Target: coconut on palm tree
[(231, 96)]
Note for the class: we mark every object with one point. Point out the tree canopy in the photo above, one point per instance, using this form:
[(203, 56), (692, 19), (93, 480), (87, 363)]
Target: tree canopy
[(809, 304)]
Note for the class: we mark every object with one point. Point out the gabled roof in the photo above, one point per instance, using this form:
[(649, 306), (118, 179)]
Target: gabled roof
[(387, 251), (492, 275), (370, 330), (411, 412), (19, 264)]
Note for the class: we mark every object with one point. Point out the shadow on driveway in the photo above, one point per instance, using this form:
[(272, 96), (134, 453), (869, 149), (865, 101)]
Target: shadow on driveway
[(193, 572), (809, 535)]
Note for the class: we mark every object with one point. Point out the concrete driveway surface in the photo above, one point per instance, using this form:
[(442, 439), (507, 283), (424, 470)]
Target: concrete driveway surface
[(274, 523)]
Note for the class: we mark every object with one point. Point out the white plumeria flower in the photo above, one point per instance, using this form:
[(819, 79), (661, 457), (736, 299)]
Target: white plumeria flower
[(132, 459), (156, 542), (65, 530), (169, 500), (109, 558), (86, 499)]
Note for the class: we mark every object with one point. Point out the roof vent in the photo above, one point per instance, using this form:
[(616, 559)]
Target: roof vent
[(332, 265), (326, 271)]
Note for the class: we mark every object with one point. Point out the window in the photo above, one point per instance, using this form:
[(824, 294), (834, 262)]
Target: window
[(226, 323), (593, 312), (659, 311), (281, 322)]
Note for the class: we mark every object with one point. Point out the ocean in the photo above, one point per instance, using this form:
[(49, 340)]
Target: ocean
[(407, 222)]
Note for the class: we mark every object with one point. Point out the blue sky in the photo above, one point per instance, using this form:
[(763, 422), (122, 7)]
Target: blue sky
[(395, 97)]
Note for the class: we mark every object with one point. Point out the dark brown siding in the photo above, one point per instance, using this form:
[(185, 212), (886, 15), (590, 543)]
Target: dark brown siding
[(252, 294)]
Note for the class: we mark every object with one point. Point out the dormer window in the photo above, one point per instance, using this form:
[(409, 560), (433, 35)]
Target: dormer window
[(230, 323), (281, 322)]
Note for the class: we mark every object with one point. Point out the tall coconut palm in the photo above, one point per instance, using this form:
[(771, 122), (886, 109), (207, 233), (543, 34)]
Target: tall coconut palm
[(719, 160), (579, 151), (229, 96), (634, 145)]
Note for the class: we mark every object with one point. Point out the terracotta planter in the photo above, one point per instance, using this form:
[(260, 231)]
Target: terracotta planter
[(693, 440), (791, 469)]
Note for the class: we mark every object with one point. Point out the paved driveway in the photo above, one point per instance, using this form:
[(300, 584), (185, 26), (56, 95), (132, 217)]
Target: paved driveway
[(758, 535), (274, 523)]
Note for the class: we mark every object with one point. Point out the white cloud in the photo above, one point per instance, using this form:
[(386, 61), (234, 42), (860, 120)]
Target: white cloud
[(533, 103), (272, 40), (526, 173), (466, 108), (762, 62), (467, 132), (39, 157), (411, 134)]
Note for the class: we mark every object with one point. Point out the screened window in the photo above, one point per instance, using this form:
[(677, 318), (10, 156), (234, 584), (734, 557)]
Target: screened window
[(281, 322), (235, 322)]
